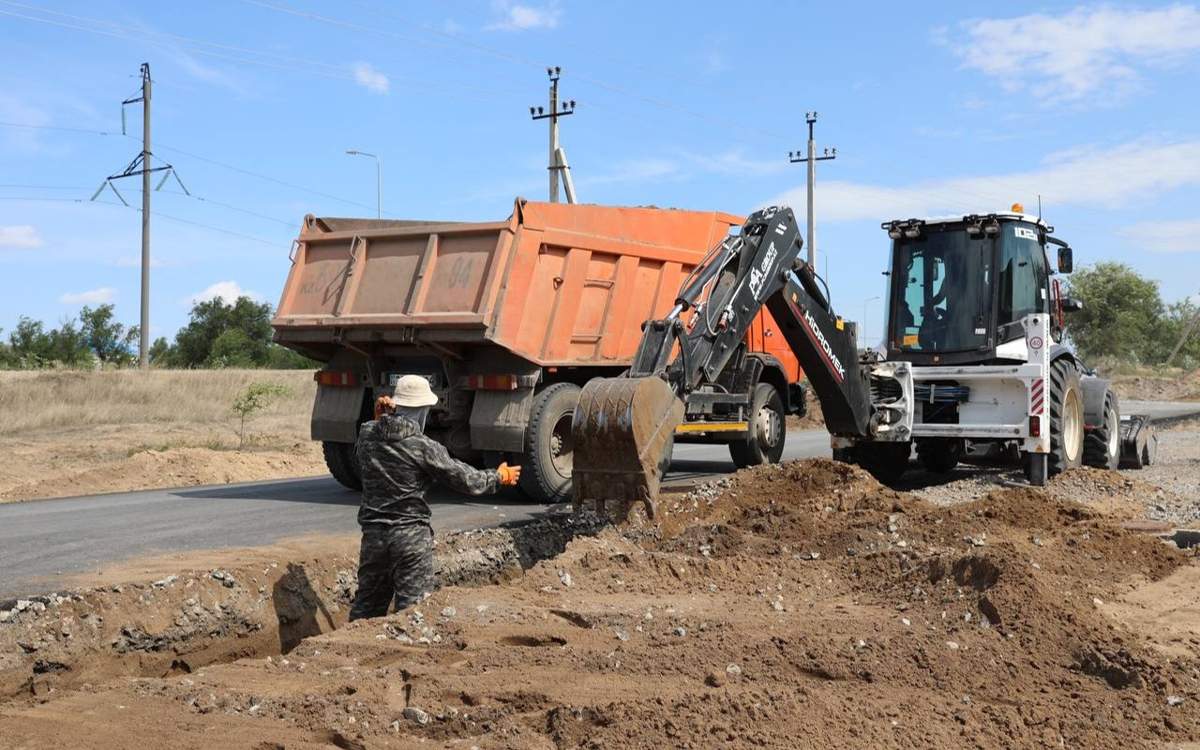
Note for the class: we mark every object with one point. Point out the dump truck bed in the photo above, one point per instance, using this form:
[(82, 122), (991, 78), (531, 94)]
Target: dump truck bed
[(556, 284)]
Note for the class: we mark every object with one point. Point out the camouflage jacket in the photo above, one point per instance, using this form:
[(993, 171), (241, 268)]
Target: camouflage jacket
[(399, 464)]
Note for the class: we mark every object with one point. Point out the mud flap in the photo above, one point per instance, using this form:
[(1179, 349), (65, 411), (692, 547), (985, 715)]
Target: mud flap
[(622, 430), (1139, 442)]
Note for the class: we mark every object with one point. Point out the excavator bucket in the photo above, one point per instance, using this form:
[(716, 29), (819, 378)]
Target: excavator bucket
[(623, 433)]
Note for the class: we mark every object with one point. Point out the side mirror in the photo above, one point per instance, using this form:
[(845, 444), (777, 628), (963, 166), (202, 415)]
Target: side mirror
[(1071, 304), (1066, 260)]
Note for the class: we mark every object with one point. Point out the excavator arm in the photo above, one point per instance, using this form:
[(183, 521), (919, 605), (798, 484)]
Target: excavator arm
[(623, 427)]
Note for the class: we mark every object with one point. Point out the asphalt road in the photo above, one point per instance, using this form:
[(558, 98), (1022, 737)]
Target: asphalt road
[(46, 541), (43, 542)]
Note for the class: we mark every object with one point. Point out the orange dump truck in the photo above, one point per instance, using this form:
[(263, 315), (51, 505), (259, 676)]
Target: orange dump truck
[(506, 319)]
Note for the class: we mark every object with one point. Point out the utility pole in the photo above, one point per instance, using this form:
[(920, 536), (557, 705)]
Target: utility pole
[(556, 164), (378, 179), (866, 303), (144, 326), (811, 159), (141, 165)]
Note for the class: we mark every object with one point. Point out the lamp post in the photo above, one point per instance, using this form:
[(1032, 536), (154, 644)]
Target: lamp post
[(378, 179), (866, 304)]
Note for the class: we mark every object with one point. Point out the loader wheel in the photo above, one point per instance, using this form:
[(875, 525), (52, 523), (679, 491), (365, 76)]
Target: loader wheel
[(887, 462), (940, 455), (768, 430), (549, 447), (1102, 445), (342, 463), (1066, 417)]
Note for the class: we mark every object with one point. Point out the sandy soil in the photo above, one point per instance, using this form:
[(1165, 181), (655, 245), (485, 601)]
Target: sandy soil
[(78, 433), (797, 605), (1152, 385)]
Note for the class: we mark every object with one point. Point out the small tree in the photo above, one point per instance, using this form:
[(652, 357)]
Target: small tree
[(233, 348), (1121, 313), (253, 399), (112, 342), (160, 352)]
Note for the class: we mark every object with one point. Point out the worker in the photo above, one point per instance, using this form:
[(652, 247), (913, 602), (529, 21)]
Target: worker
[(398, 464)]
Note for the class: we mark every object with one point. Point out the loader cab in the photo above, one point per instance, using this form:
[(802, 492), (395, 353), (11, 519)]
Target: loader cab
[(960, 287)]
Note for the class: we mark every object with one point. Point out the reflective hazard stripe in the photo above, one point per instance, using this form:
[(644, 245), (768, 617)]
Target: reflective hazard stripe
[(1037, 396)]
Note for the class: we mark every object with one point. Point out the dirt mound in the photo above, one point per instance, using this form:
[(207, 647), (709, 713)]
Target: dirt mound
[(257, 602), (799, 601), (174, 467)]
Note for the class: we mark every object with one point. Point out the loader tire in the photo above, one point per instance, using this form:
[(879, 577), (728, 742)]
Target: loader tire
[(1102, 444), (768, 430), (940, 455), (1066, 417), (887, 462), (342, 463), (546, 475)]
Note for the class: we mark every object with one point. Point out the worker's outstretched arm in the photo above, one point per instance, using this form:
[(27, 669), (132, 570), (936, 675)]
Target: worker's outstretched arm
[(462, 477)]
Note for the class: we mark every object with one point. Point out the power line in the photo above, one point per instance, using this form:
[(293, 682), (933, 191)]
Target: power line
[(198, 157), (43, 187), (654, 101), (54, 127), (171, 42), (159, 214)]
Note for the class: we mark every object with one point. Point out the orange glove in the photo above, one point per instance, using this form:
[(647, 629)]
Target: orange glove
[(508, 474)]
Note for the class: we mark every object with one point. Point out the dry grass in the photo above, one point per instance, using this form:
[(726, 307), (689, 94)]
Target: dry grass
[(75, 433), (32, 402)]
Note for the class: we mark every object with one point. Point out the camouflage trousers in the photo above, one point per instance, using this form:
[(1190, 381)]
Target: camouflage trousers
[(394, 562)]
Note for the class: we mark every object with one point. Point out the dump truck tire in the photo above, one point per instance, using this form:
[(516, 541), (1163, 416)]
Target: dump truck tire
[(768, 430), (342, 463), (1102, 444), (546, 475), (1066, 417)]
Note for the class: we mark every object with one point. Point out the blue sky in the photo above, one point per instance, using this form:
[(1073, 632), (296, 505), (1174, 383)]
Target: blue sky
[(934, 111)]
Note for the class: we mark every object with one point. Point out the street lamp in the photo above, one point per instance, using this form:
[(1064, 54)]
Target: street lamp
[(378, 179), (866, 303)]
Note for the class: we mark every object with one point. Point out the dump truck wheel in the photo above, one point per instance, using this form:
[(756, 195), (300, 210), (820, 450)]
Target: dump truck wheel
[(768, 430), (549, 448), (940, 455), (1102, 445), (1066, 417), (342, 463)]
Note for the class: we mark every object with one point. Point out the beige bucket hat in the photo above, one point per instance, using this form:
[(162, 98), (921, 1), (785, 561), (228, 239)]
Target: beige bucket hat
[(413, 391)]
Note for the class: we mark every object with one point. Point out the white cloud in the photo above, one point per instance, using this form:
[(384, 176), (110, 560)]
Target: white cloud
[(520, 17), (206, 73), (101, 296), (1097, 177), (369, 78), (226, 291), (21, 236), (1086, 51), (1165, 236)]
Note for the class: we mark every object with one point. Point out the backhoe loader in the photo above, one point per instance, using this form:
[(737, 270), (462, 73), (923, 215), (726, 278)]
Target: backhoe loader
[(973, 360)]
